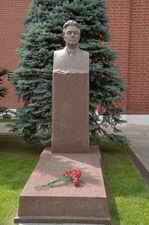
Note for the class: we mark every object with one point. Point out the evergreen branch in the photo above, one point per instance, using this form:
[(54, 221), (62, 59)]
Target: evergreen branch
[(99, 127)]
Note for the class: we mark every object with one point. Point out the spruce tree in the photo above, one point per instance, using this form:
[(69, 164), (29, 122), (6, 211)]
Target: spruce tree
[(3, 90), (33, 78)]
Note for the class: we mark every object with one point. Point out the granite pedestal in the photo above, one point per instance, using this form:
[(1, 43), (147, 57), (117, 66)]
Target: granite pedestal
[(64, 203), (70, 112)]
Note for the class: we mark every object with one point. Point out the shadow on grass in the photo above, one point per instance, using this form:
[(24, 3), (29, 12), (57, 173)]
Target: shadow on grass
[(11, 144), (17, 161)]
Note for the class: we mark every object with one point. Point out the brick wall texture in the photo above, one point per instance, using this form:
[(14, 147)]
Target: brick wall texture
[(129, 27)]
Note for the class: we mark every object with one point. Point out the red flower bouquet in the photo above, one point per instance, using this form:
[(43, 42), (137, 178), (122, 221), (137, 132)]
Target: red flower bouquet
[(72, 175)]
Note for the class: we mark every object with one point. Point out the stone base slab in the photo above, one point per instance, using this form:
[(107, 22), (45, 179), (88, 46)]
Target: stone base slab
[(64, 203)]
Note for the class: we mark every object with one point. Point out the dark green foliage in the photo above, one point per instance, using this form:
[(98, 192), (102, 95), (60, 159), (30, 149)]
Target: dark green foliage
[(3, 90), (6, 113), (32, 80)]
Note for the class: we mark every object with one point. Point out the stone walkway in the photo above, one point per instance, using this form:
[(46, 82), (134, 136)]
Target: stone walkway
[(4, 129), (138, 136)]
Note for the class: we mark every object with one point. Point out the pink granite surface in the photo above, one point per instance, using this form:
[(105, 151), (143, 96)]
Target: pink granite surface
[(70, 112), (64, 202)]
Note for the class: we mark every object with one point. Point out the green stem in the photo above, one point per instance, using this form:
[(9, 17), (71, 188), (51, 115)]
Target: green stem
[(65, 178)]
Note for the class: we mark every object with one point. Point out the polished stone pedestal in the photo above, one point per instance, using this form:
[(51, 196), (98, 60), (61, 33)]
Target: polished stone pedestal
[(70, 112), (64, 203)]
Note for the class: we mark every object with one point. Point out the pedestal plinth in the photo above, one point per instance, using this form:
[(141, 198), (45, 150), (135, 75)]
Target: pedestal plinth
[(64, 203), (70, 112)]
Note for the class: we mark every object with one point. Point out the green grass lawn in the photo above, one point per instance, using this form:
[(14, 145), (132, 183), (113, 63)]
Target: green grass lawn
[(128, 194), (17, 160), (8, 120)]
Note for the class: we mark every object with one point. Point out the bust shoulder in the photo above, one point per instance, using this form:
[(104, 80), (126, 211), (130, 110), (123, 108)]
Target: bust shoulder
[(63, 51), (77, 62), (84, 53), (59, 52)]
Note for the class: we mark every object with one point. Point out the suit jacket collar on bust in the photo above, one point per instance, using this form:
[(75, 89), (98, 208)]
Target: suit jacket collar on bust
[(71, 52)]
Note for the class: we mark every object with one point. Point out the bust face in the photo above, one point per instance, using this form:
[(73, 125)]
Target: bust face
[(72, 36)]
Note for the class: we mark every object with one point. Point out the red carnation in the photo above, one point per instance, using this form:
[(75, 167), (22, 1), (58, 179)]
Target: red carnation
[(73, 175)]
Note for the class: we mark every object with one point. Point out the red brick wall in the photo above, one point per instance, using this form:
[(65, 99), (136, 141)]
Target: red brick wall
[(119, 16), (138, 80), (129, 26), (11, 26), (129, 23)]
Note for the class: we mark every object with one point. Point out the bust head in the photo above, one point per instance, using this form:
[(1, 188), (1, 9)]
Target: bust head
[(71, 33)]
